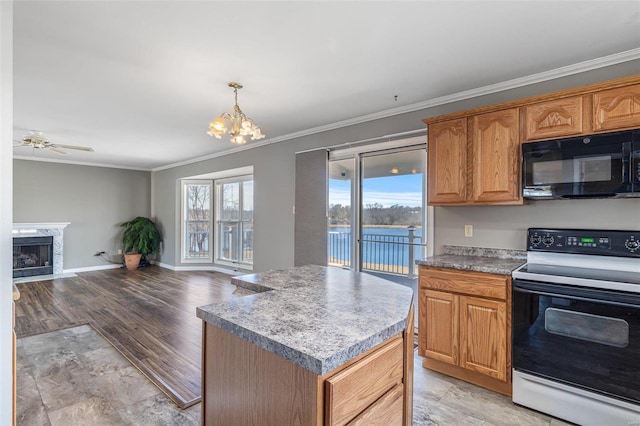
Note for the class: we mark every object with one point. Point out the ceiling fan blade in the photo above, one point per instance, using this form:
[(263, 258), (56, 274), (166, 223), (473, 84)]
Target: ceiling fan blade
[(79, 148), (57, 151)]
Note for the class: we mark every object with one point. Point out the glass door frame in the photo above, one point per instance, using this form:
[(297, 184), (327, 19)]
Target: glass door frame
[(357, 155)]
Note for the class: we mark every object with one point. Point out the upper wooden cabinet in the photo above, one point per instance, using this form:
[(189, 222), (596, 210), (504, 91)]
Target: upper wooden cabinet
[(447, 151), (557, 118), (492, 176), (496, 158), (474, 155), (617, 109)]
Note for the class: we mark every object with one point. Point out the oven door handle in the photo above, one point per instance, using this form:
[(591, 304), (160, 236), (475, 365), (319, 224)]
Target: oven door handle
[(607, 297)]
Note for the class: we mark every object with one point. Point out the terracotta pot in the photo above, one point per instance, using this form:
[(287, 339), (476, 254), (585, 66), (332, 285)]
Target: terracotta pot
[(132, 261)]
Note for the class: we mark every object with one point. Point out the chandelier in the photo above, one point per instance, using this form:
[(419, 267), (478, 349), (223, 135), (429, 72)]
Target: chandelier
[(239, 125)]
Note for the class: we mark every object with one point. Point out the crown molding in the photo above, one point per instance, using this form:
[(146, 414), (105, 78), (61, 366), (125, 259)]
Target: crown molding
[(80, 163), (553, 74), (580, 67)]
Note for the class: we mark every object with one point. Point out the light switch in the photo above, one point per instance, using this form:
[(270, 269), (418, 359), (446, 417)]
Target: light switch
[(468, 231)]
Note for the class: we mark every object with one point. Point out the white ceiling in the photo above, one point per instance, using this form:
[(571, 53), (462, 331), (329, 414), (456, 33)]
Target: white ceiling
[(139, 81)]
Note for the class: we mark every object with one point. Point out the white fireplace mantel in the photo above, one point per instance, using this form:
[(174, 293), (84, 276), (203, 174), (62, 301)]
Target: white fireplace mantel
[(54, 229), (45, 225)]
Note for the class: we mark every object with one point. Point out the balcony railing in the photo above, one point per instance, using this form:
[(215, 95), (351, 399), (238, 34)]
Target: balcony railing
[(392, 254)]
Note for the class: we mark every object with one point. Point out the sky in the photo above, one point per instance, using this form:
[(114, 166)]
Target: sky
[(404, 190)]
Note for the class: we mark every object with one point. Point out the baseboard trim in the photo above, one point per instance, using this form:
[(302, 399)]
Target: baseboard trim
[(92, 268)]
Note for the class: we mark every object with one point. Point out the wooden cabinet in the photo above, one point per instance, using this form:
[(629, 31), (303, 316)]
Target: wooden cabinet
[(617, 109), (492, 177), (465, 327), (439, 325), (246, 384), (557, 118), (385, 411), (474, 156), (447, 151), (357, 387), (496, 158), (483, 337)]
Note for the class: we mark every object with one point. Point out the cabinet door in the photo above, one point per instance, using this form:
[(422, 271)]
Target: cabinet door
[(483, 336), (617, 109), (438, 328), (496, 158), (447, 159), (562, 117)]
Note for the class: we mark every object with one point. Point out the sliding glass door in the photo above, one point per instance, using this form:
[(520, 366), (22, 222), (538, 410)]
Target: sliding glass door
[(391, 206), (383, 234)]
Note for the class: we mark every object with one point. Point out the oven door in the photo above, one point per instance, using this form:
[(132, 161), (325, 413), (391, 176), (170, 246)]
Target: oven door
[(582, 167), (584, 337)]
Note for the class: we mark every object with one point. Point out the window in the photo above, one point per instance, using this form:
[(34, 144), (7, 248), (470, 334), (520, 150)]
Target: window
[(197, 221), (234, 221)]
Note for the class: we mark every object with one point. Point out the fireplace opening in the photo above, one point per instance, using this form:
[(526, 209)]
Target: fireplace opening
[(32, 256)]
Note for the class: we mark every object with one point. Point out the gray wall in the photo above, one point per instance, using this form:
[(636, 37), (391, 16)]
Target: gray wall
[(94, 199), (506, 226), (274, 171), (310, 228)]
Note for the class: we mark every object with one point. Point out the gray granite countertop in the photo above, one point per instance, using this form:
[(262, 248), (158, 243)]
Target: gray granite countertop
[(314, 316), (477, 259)]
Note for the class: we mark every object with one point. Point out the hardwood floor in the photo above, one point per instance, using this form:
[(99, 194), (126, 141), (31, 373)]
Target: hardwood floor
[(149, 315)]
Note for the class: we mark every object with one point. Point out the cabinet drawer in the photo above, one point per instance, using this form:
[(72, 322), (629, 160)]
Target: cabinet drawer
[(351, 391), (464, 282), (387, 411)]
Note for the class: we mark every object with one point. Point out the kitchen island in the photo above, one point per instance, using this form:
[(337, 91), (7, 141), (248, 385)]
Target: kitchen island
[(313, 346)]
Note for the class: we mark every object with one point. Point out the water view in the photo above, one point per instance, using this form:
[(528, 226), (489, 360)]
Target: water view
[(384, 249)]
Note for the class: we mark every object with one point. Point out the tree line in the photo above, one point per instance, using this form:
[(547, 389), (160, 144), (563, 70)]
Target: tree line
[(377, 214)]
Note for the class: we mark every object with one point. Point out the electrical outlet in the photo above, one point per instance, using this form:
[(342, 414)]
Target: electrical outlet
[(119, 251), (468, 231)]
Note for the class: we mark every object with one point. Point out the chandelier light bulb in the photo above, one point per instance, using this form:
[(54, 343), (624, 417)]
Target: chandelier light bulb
[(239, 125)]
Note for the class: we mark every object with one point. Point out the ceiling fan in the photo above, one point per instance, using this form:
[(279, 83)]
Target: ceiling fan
[(37, 140)]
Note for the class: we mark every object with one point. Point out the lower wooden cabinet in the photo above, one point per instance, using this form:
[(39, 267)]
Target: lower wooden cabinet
[(359, 386), (385, 411), (483, 336), (245, 384), (464, 328), (438, 325)]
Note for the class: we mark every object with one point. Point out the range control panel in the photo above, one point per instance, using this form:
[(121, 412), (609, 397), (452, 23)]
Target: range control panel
[(585, 241)]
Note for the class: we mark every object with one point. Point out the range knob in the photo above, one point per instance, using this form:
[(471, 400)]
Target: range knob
[(547, 240), (632, 244), (536, 239)]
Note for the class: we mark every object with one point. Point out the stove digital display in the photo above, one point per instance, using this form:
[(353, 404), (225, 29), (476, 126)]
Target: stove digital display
[(587, 240)]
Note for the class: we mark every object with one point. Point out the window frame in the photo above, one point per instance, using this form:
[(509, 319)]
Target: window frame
[(218, 199), (184, 223)]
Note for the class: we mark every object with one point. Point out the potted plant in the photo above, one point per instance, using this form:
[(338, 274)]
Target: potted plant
[(139, 239)]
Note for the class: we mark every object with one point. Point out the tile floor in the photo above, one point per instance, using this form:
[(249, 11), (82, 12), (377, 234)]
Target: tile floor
[(75, 377)]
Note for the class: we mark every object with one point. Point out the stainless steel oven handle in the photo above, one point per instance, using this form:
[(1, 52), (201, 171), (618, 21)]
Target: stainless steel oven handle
[(606, 297)]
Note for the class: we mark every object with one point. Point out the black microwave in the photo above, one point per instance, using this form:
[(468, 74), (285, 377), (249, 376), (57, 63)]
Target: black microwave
[(606, 165)]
